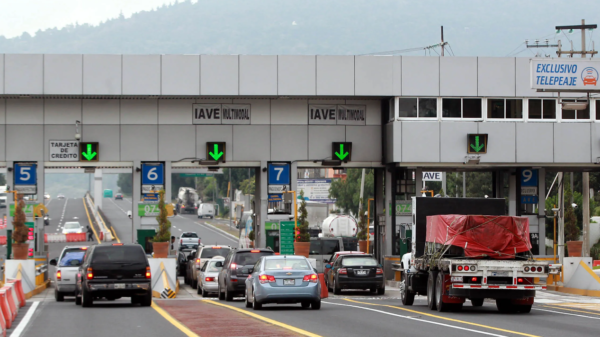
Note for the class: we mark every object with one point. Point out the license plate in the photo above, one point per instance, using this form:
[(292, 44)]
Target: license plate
[(361, 272), (119, 286), (289, 282), (456, 279), (500, 273)]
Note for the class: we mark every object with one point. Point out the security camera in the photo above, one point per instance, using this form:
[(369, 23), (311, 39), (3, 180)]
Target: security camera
[(129, 214), (574, 205), (77, 136)]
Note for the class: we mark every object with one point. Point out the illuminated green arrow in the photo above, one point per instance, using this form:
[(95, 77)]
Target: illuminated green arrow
[(89, 155), (341, 155), (477, 147), (216, 155)]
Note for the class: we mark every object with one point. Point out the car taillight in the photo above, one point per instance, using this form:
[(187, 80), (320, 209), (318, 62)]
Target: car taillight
[(460, 268), (148, 273), (117, 244), (84, 248), (58, 275), (473, 279), (539, 269), (215, 247), (343, 271), (255, 251), (314, 278), (209, 279), (519, 280), (266, 278), (233, 266), (181, 241), (197, 261), (90, 274), (466, 268), (379, 271), (198, 241)]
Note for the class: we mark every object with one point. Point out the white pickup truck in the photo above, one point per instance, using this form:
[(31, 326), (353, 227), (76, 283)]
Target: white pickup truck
[(67, 266)]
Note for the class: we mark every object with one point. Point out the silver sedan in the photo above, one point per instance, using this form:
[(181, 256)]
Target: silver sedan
[(283, 279), (208, 276)]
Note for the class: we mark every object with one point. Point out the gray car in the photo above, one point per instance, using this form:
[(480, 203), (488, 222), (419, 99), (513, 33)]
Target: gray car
[(283, 279), (208, 276)]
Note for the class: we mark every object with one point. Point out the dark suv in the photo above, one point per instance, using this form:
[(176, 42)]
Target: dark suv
[(236, 269), (114, 271)]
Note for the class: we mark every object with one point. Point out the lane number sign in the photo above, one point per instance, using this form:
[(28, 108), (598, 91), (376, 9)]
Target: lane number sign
[(153, 177), (278, 177), (25, 178)]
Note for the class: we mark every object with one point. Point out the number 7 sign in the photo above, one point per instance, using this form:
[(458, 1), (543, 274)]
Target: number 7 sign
[(279, 173)]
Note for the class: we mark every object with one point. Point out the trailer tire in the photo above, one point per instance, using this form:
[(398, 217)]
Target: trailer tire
[(406, 296), (431, 280), (439, 295), (477, 302)]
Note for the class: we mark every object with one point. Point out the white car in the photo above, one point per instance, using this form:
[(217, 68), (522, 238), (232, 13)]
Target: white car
[(46, 196), (67, 267), (72, 227), (209, 275)]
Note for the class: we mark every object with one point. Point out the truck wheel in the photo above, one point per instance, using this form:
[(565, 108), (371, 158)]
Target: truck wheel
[(406, 296), (439, 294), (146, 300), (86, 299), (477, 302), (431, 289)]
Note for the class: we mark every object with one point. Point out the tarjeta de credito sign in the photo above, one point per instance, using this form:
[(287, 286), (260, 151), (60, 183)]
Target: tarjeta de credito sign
[(564, 74)]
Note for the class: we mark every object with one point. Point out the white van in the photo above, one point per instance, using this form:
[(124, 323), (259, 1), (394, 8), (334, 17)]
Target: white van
[(206, 210)]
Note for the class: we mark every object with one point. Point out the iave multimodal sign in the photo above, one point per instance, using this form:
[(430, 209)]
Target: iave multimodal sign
[(564, 74)]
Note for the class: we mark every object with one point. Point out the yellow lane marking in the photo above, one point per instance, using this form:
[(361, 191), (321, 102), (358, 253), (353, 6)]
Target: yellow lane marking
[(445, 318), (563, 308), (264, 319), (115, 234), (173, 321), (90, 220)]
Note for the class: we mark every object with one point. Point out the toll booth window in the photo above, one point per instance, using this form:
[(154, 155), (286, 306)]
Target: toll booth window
[(576, 114), (542, 109), (471, 108), (417, 107), (598, 110), (451, 107), (499, 108)]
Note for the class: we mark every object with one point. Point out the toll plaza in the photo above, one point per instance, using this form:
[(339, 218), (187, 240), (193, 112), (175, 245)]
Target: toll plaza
[(154, 115)]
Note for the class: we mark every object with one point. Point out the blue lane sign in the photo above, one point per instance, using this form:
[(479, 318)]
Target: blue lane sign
[(276, 197), (25, 178), (153, 177), (529, 177), (529, 199), (279, 173)]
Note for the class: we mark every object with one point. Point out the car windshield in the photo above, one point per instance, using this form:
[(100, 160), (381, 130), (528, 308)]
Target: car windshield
[(210, 252), (72, 257), (249, 258), (118, 254), (358, 261), (286, 264), (72, 225), (211, 268), (189, 235)]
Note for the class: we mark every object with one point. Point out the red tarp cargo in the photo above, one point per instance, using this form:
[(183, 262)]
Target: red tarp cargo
[(498, 237)]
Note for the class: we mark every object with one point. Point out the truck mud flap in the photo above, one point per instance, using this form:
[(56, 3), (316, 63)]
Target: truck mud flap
[(492, 293)]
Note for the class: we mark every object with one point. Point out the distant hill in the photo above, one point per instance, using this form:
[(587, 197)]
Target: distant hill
[(473, 27)]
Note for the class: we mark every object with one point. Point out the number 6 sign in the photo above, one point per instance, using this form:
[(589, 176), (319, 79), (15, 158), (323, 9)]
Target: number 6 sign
[(153, 177)]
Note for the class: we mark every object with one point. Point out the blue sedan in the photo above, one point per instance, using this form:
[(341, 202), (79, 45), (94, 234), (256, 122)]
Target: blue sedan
[(283, 279)]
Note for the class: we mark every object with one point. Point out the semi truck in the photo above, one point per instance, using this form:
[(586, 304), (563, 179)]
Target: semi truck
[(187, 200), (467, 248)]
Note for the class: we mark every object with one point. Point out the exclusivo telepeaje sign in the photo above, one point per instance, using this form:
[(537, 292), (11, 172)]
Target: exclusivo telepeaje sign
[(568, 74)]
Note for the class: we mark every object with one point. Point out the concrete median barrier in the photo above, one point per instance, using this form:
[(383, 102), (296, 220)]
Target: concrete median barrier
[(12, 306), (18, 287), (164, 279), (6, 313)]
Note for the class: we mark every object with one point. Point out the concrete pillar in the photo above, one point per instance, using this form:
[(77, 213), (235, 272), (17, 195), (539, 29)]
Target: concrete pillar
[(541, 209), (418, 181), (40, 229), (98, 188), (561, 218), (390, 206), (168, 177), (444, 184), (380, 202), (512, 194), (586, 213), (40, 181), (10, 182), (261, 203), (294, 178), (136, 198)]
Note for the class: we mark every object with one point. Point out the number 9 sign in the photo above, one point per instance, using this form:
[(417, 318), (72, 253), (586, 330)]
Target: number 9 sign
[(529, 177), (153, 174)]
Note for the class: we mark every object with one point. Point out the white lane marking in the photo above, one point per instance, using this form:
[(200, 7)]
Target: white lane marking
[(19, 330), (119, 207), (417, 319), (179, 229), (220, 232), (565, 313)]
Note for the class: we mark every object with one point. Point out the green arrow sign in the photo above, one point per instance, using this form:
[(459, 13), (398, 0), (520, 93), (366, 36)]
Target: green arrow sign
[(90, 154), (215, 151), (477, 143), (341, 154), (342, 151), (216, 154)]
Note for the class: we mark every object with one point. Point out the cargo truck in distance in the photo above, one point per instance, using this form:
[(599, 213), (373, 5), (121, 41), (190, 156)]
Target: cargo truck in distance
[(187, 200), (459, 254)]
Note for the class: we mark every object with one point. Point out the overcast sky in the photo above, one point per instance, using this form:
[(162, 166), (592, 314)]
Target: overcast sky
[(18, 16)]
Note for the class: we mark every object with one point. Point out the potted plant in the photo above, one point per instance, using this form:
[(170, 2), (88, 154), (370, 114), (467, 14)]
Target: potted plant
[(302, 243), (20, 246), (251, 237), (363, 231), (160, 243)]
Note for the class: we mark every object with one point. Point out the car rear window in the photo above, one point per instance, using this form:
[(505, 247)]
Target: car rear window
[(209, 252), (119, 254), (324, 247), (358, 261), (249, 258), (189, 235), (286, 264), (72, 257)]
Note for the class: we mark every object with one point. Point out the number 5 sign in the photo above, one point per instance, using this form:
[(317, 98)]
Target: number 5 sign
[(26, 178), (153, 177)]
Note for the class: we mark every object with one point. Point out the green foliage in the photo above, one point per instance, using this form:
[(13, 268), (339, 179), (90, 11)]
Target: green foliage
[(164, 225), (20, 231), (303, 235), (251, 235), (595, 251), (571, 228), (247, 186), (2, 179), (363, 224), (347, 191), (125, 183), (479, 184)]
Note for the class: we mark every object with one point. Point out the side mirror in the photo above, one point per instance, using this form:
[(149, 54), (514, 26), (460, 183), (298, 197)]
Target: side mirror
[(219, 264), (53, 262), (328, 266)]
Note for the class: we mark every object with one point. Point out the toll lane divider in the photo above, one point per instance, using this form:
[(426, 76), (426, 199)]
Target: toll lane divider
[(105, 234), (51, 238)]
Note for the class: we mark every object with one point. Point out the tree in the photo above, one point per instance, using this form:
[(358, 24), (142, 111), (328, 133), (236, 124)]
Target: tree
[(303, 235), (479, 184), (20, 232), (125, 183), (164, 225), (347, 191), (247, 186)]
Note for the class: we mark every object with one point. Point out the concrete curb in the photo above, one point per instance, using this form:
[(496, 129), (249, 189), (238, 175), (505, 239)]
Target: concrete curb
[(219, 230), (37, 289)]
